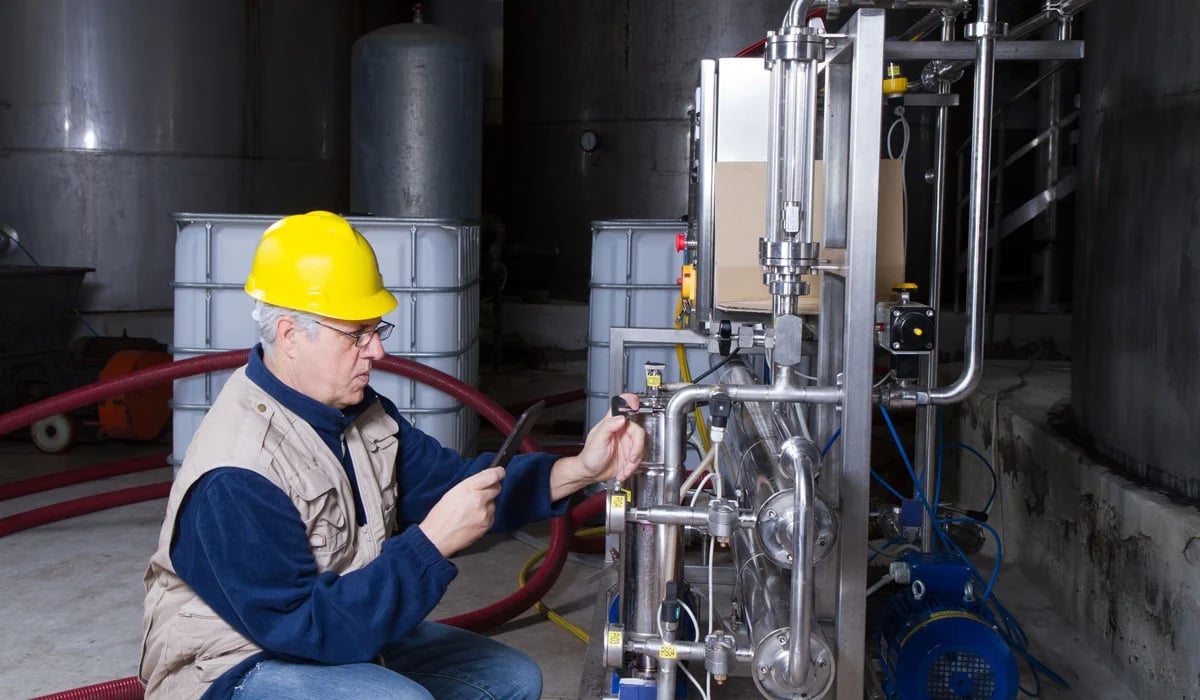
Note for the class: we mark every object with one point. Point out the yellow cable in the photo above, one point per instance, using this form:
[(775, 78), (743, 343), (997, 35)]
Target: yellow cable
[(685, 373), (553, 616)]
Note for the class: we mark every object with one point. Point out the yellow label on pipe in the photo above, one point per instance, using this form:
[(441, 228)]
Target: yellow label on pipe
[(668, 651)]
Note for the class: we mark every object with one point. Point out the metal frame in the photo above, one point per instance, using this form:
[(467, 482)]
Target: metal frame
[(619, 338), (706, 160), (844, 393), (853, 73)]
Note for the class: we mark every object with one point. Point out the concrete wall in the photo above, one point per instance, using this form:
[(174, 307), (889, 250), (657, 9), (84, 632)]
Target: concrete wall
[(1121, 561)]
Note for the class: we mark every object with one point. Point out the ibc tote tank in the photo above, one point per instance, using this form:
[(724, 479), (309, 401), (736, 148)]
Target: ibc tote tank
[(416, 118)]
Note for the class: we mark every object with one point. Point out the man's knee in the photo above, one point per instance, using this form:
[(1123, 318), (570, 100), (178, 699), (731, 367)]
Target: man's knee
[(527, 675)]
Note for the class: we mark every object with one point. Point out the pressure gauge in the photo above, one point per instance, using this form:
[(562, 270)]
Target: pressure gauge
[(588, 141)]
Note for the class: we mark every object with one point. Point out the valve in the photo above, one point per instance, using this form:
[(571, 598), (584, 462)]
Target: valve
[(722, 517), (718, 651), (906, 329)]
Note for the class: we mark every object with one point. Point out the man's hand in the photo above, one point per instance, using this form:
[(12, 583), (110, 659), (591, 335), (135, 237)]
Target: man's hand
[(465, 513), (613, 450)]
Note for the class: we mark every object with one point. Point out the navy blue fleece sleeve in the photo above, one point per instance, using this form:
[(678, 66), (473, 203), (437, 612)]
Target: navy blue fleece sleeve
[(241, 546), (426, 471)]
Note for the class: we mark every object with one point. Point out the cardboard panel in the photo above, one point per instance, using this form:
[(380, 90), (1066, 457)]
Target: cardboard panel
[(740, 212)]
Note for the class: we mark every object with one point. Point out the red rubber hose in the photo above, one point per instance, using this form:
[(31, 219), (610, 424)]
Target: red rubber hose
[(551, 400), (498, 613), (123, 689), (561, 529), (82, 506), (98, 391), (78, 476), (487, 409), (588, 509)]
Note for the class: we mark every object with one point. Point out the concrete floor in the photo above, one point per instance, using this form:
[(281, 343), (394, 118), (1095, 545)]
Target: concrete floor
[(72, 591)]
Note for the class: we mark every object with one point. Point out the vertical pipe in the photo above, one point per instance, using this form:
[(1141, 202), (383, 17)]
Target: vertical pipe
[(793, 127), (926, 453), (643, 580), (775, 118), (802, 456), (992, 230), (627, 319), (981, 130), (1049, 160), (830, 322), (208, 304), (808, 140)]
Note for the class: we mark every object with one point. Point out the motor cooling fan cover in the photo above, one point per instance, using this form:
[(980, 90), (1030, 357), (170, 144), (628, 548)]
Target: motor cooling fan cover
[(949, 654)]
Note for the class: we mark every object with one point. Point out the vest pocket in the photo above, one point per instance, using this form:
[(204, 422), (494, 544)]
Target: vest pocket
[(220, 658), (199, 636), (325, 520)]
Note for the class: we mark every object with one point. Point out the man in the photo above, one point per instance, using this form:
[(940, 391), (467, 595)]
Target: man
[(307, 532)]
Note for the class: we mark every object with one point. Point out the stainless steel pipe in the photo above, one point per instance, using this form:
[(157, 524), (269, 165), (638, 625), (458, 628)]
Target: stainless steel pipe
[(1052, 12), (926, 452), (802, 457), (643, 581), (800, 8), (683, 401), (981, 154)]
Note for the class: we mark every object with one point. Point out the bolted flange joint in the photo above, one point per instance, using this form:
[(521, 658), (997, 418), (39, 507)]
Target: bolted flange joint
[(981, 30)]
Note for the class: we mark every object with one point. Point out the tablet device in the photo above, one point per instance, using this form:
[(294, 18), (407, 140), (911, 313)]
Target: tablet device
[(520, 431)]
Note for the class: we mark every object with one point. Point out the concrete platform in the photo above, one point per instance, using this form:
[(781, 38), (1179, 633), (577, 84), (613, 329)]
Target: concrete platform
[(1119, 561)]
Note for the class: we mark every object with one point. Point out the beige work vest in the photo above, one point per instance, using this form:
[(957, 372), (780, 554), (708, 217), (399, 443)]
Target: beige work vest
[(185, 645)]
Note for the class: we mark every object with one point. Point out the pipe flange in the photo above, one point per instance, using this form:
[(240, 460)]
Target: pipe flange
[(614, 513), (788, 253), (775, 529), (794, 44), (981, 30), (784, 284), (770, 668), (614, 645)]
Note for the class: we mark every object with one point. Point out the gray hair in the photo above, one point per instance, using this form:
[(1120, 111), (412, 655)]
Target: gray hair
[(266, 315)]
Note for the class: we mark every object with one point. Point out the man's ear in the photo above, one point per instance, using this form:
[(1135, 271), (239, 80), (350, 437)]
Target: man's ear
[(287, 334)]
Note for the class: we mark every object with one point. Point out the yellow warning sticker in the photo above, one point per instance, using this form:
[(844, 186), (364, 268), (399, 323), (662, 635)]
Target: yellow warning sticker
[(618, 500), (614, 639)]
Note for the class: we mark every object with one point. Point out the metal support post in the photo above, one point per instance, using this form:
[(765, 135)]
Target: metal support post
[(926, 452), (857, 69), (1045, 234)]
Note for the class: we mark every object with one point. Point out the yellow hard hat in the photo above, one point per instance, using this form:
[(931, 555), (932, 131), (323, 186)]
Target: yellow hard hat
[(318, 263)]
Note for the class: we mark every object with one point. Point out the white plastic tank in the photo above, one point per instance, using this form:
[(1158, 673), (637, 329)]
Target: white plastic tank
[(430, 265), (635, 268)]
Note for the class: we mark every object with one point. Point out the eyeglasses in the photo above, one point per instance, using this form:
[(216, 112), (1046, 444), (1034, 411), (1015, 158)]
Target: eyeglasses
[(363, 338)]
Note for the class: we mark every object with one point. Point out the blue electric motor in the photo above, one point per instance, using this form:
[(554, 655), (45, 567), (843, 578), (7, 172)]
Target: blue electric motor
[(937, 643)]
